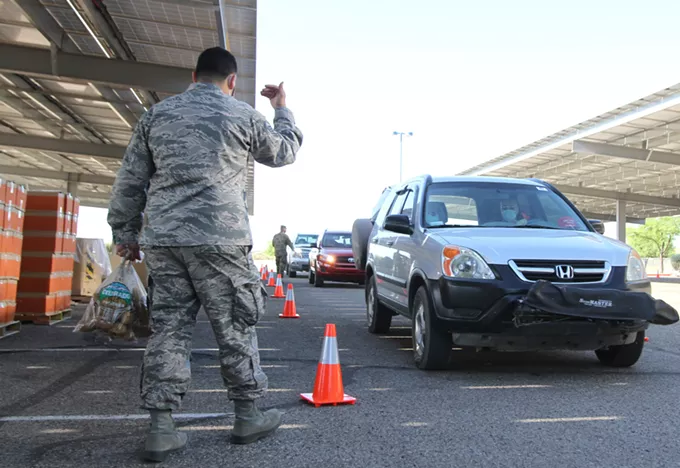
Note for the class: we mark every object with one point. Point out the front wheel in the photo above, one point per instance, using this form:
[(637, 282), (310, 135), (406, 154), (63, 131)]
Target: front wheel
[(318, 282), (622, 355), (431, 345)]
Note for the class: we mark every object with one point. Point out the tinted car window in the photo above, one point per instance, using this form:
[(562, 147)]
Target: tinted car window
[(408, 205), (398, 204), (306, 239), (487, 204), (380, 217), (338, 240)]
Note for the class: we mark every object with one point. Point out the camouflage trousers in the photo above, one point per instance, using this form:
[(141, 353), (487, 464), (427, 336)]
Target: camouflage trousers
[(281, 265), (225, 282)]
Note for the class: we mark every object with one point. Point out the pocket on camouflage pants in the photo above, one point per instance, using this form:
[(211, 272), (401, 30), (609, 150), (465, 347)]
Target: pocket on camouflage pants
[(250, 303)]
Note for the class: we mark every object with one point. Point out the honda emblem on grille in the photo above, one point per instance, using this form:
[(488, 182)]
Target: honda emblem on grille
[(350, 260), (564, 271)]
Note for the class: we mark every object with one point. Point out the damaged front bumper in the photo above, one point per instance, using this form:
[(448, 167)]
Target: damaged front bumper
[(550, 317)]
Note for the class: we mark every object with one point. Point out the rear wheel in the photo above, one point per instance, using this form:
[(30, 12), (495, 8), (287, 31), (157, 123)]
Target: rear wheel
[(311, 277), (622, 355), (378, 317), (431, 345)]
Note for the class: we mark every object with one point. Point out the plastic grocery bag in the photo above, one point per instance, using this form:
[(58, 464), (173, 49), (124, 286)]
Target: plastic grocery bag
[(119, 307)]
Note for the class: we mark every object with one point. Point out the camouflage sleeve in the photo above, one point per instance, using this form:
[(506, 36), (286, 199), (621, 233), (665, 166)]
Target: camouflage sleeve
[(278, 146), (128, 196)]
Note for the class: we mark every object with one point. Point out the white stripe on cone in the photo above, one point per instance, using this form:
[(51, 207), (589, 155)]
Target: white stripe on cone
[(329, 353)]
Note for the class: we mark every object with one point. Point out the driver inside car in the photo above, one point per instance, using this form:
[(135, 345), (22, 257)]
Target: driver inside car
[(436, 214), (511, 214)]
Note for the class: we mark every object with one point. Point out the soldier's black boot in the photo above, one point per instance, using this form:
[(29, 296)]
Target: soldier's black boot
[(252, 424), (163, 438)]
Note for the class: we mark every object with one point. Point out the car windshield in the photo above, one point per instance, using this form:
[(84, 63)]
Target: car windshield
[(337, 240), (494, 204), (306, 239)]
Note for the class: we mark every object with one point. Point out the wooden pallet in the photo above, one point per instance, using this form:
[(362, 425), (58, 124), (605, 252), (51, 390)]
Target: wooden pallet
[(49, 319), (9, 329)]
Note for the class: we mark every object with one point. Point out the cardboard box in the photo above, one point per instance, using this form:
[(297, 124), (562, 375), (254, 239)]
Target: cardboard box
[(91, 266)]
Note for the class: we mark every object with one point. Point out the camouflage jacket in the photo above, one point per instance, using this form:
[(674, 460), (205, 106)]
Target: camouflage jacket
[(280, 241), (186, 167)]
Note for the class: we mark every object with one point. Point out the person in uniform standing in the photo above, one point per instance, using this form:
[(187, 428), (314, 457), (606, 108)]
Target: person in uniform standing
[(280, 242), (186, 168)]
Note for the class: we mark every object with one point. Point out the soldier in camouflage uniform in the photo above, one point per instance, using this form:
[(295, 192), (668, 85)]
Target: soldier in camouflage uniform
[(280, 242), (186, 166)]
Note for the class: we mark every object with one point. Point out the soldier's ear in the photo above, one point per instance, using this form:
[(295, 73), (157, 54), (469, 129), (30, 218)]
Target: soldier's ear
[(193, 76), (231, 83)]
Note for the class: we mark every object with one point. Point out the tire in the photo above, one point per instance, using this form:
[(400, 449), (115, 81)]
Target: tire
[(311, 277), (318, 282), (361, 231), (622, 355), (431, 345), (378, 317), (292, 274)]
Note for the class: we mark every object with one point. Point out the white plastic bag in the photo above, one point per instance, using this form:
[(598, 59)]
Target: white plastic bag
[(119, 306)]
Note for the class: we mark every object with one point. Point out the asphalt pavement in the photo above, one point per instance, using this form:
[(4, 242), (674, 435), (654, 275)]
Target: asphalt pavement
[(67, 401)]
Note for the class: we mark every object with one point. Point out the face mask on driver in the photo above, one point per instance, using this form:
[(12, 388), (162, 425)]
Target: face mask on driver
[(509, 214), (432, 219)]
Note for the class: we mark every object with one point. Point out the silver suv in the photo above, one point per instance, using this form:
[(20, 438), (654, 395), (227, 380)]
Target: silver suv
[(504, 264), (298, 259)]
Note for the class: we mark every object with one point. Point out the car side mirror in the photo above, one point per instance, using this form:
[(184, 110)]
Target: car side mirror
[(597, 225), (399, 223)]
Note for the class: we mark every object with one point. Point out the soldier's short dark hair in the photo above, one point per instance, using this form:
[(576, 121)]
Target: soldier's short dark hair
[(215, 64)]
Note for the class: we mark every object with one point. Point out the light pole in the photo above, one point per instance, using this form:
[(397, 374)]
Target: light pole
[(401, 150)]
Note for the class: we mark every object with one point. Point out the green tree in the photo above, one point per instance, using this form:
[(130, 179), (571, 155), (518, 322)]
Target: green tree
[(655, 238), (266, 254)]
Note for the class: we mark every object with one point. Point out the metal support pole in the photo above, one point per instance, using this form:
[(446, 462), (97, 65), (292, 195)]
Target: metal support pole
[(401, 155), (401, 151), (621, 220)]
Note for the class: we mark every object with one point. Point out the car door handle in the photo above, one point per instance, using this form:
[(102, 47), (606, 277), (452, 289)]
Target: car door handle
[(389, 243)]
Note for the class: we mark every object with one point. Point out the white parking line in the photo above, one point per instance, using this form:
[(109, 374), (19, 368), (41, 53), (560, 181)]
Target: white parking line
[(229, 428), (584, 419), (109, 417), (264, 366), (102, 350), (504, 387), (222, 390)]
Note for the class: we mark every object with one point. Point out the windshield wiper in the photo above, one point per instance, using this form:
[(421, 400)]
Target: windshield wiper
[(453, 226), (536, 226)]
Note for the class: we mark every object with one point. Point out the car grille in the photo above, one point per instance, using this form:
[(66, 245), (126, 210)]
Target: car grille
[(343, 261), (581, 271)]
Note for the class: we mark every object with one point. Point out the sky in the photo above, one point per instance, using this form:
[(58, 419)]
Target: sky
[(471, 80)]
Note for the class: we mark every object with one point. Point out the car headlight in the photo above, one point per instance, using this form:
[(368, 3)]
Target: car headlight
[(459, 262), (635, 270), (326, 258)]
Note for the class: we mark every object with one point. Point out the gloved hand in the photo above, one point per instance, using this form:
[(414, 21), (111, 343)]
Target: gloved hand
[(129, 252)]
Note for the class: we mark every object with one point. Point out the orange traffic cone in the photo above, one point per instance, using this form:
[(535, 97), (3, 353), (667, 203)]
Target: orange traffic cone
[(271, 279), (328, 388), (263, 273), (289, 310), (278, 292)]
